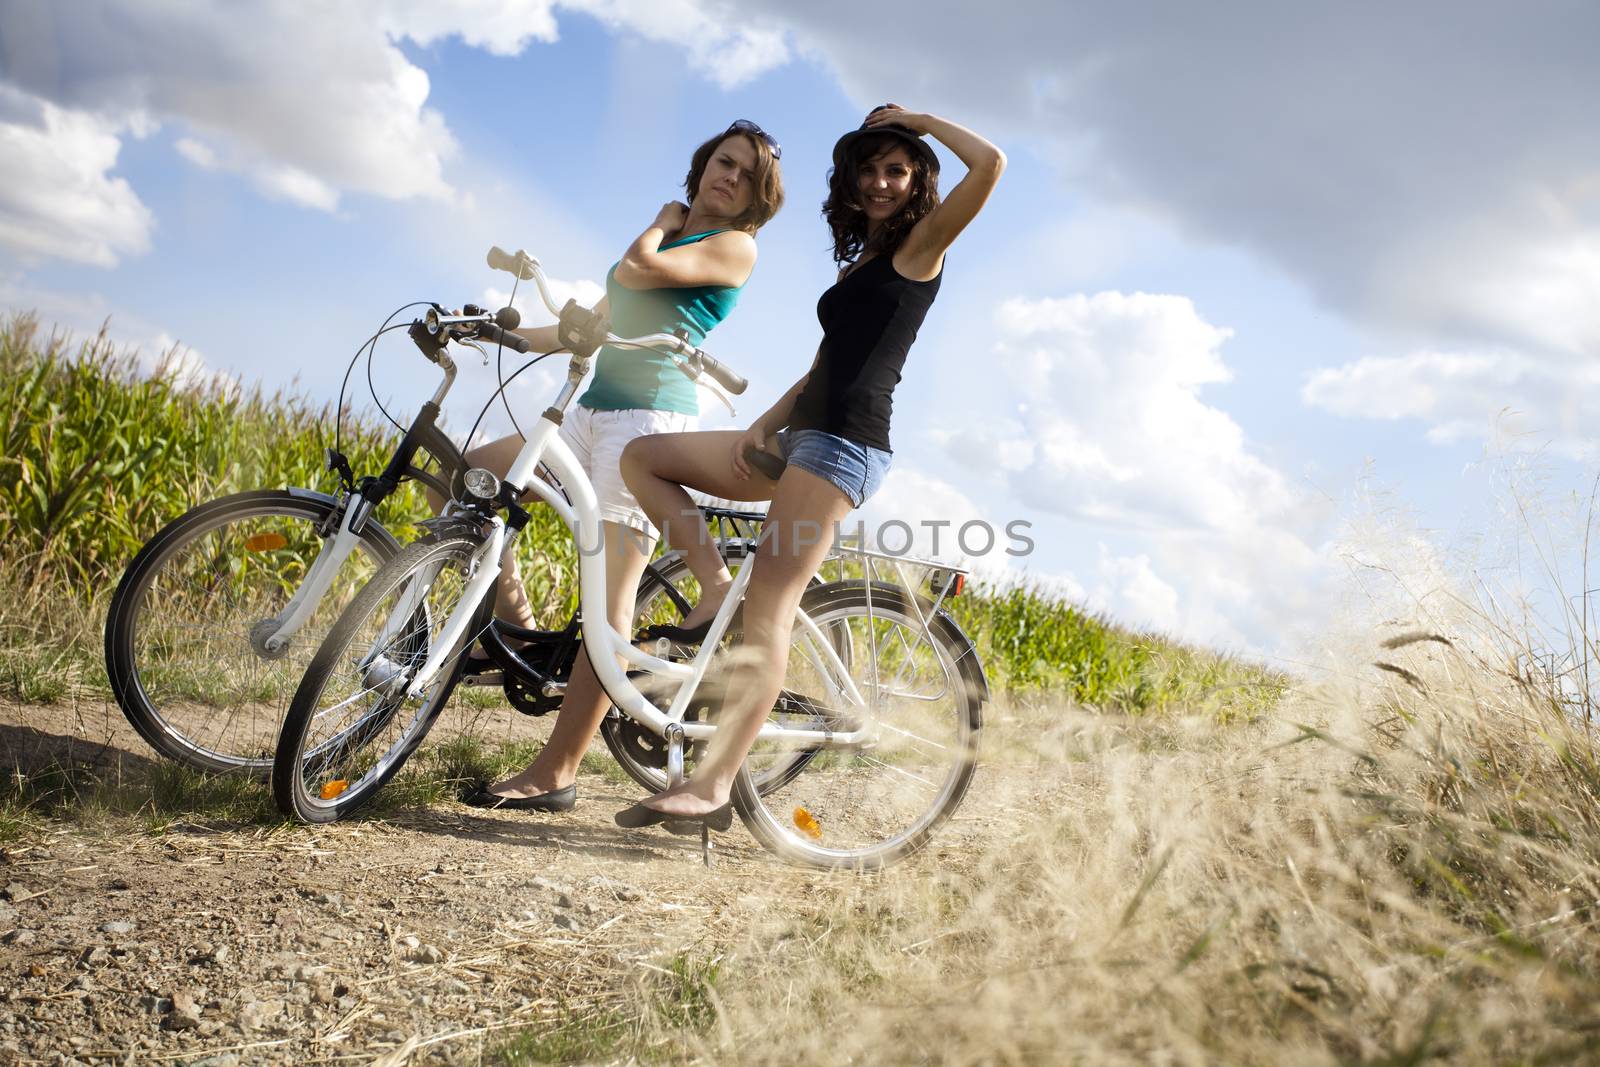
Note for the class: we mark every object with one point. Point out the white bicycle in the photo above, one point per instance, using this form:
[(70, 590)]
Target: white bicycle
[(870, 747)]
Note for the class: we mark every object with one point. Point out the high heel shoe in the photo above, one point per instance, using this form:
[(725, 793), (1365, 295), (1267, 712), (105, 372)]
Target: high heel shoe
[(718, 819)]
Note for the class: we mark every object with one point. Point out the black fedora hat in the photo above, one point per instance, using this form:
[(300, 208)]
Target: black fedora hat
[(913, 142)]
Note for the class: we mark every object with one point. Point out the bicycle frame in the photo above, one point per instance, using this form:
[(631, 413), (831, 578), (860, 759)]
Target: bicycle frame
[(582, 518), (271, 635)]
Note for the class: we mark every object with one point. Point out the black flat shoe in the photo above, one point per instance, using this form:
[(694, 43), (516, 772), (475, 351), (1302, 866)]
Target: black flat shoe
[(678, 635), (555, 800), (638, 815)]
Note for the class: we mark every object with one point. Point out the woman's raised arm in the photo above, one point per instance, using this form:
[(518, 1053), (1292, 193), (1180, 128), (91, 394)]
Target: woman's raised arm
[(726, 259), (924, 247)]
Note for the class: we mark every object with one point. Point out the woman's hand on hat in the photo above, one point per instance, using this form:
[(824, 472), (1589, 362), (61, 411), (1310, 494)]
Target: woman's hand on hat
[(894, 114)]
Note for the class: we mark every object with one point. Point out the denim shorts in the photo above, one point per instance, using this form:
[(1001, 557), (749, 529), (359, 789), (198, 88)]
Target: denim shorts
[(855, 470)]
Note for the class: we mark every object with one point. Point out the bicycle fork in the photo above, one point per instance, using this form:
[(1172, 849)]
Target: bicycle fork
[(270, 637), (485, 568)]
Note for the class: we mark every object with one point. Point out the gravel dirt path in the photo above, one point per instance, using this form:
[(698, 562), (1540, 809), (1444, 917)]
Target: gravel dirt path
[(426, 935)]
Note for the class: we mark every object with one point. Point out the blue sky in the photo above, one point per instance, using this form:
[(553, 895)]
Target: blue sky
[(1248, 262)]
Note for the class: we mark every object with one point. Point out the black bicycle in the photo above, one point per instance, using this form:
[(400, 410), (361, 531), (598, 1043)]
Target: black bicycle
[(216, 618)]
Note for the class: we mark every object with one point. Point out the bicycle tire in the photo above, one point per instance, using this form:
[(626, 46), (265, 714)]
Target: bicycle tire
[(342, 767), (860, 815), (195, 715)]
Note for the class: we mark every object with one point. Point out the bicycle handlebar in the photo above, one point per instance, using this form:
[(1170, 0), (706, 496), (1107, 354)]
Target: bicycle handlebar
[(698, 361), (496, 335), (495, 328)]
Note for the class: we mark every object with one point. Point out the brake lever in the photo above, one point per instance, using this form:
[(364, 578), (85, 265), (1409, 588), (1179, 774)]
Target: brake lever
[(718, 393), (473, 342), (701, 380)]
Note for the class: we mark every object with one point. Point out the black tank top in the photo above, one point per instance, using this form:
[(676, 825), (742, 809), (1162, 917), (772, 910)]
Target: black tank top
[(869, 319)]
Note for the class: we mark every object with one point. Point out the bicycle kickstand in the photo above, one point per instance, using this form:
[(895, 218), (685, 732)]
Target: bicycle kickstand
[(675, 777)]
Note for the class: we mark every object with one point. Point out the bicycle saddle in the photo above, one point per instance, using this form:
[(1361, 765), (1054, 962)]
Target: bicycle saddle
[(765, 462)]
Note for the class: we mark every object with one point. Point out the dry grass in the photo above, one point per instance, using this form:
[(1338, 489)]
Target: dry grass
[(1396, 866)]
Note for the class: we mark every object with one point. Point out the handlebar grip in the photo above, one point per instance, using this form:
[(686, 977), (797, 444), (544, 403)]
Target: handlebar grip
[(500, 259), (492, 333), (724, 376)]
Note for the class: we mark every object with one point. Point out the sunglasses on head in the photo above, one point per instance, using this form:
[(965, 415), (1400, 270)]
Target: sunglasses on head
[(746, 126)]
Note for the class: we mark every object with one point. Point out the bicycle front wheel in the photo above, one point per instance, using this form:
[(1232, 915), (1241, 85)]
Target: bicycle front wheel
[(352, 724), (905, 684), (665, 593), (178, 646)]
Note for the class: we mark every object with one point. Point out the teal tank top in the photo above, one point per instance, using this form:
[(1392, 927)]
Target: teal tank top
[(637, 378)]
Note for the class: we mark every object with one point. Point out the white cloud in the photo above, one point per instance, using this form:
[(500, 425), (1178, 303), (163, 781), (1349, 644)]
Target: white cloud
[(199, 154), (1132, 591), (1509, 397), (1431, 165), (164, 356), (307, 107), (1428, 170), (1216, 543), (57, 196), (297, 186), (82, 317), (1115, 425), (499, 27), (726, 46), (914, 513)]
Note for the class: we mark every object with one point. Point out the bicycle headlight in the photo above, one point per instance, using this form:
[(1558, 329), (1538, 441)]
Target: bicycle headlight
[(481, 483)]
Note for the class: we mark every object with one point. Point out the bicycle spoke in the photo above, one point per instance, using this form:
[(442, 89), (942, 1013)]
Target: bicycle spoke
[(897, 770), (851, 805), (183, 665)]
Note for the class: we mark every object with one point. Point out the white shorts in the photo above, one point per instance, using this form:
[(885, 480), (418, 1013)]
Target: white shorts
[(597, 438)]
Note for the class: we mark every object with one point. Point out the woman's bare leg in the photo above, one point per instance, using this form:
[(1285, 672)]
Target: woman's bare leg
[(804, 512), (585, 703), (658, 467), (511, 597)]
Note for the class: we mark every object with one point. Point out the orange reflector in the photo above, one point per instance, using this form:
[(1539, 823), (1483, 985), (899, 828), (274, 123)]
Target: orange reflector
[(265, 542), (807, 824), (331, 790)]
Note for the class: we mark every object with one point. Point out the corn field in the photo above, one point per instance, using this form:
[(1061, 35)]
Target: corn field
[(98, 456)]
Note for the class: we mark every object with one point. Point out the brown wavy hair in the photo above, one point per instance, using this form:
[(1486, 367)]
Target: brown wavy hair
[(842, 209), (768, 196)]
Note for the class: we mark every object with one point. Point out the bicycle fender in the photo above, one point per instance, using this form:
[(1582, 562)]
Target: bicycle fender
[(448, 525), (947, 625), (372, 525)]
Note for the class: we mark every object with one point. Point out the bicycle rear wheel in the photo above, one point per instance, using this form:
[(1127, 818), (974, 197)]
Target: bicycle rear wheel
[(351, 725), (178, 643), (920, 712)]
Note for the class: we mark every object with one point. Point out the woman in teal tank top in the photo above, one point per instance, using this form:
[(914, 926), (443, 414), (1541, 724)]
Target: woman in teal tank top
[(684, 272)]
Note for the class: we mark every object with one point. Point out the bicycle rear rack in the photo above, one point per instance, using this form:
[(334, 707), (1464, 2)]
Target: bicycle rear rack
[(850, 560)]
